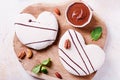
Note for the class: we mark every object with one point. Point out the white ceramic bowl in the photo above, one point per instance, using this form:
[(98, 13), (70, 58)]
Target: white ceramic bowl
[(87, 22)]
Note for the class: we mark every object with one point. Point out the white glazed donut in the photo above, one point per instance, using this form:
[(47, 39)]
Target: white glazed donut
[(36, 33), (80, 59)]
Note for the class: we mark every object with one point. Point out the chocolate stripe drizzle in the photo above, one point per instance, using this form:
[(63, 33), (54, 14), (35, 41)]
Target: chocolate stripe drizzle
[(84, 51), (38, 42), (69, 65), (72, 60), (35, 27), (78, 52)]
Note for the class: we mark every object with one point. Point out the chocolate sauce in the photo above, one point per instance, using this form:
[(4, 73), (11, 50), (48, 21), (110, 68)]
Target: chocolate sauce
[(78, 13), (73, 61), (84, 51), (78, 52), (30, 20), (35, 26), (38, 42), (70, 65)]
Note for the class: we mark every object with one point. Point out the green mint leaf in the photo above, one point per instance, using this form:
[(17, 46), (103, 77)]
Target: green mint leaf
[(96, 33), (46, 62), (36, 69), (44, 70)]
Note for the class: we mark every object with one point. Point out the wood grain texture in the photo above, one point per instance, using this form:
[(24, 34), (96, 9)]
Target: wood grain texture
[(52, 51)]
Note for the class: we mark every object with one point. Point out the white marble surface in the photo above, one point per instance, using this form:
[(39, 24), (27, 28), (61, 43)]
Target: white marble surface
[(10, 68)]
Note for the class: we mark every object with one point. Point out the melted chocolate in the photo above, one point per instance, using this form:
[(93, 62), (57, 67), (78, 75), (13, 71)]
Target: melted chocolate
[(73, 61), (38, 42), (70, 65), (35, 26), (30, 20), (78, 13), (84, 51), (78, 52)]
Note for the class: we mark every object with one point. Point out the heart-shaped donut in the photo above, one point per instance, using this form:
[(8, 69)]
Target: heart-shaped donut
[(36, 33), (77, 57)]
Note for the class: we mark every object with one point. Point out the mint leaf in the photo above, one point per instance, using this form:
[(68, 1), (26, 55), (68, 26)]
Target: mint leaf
[(36, 69), (46, 62), (44, 70), (96, 33), (40, 68)]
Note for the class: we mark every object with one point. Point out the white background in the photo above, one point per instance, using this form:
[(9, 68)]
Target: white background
[(108, 10)]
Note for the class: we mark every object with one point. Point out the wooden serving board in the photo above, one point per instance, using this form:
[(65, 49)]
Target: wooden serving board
[(52, 51)]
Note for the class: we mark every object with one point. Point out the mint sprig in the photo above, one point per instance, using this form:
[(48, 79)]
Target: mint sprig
[(46, 62), (96, 33), (41, 67), (36, 69), (44, 70)]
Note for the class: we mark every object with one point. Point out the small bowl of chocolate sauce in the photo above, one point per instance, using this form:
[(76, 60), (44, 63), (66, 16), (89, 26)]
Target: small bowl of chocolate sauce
[(78, 14)]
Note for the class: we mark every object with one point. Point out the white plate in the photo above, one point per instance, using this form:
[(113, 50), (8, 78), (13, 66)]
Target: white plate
[(109, 10)]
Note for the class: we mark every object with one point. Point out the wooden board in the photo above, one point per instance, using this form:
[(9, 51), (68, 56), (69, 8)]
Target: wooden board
[(52, 51)]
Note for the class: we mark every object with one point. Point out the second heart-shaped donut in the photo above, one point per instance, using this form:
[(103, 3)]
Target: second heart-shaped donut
[(77, 57), (36, 33)]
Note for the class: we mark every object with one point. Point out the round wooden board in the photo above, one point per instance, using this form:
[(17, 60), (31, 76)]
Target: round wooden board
[(52, 51)]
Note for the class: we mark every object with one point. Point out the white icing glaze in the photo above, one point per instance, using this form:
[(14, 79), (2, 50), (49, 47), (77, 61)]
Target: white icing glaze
[(39, 33), (80, 59)]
